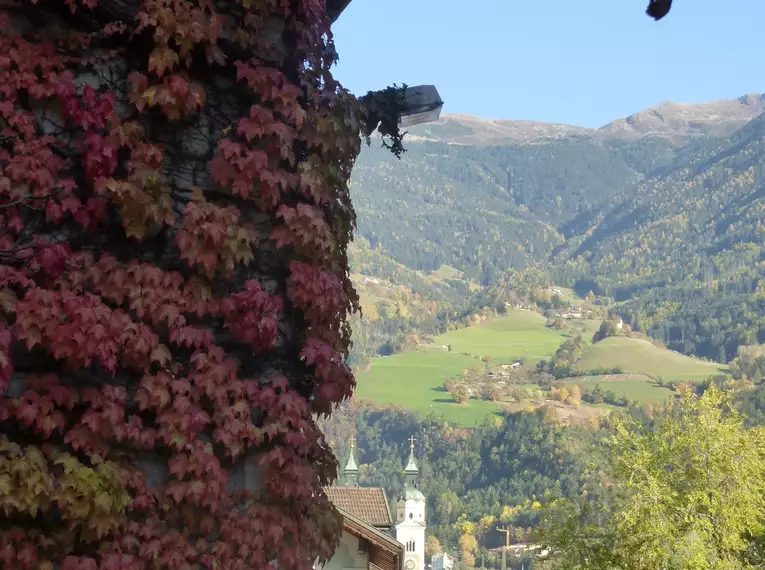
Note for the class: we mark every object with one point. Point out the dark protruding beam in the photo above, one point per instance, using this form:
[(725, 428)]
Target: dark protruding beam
[(335, 8)]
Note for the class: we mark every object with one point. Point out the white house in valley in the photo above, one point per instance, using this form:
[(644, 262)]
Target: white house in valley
[(442, 562)]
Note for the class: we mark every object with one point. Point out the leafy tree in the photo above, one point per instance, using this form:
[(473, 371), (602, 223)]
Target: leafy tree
[(174, 220), (686, 491), (460, 393), (468, 546), (559, 393), (749, 363), (494, 394), (432, 546), (607, 328), (597, 394)]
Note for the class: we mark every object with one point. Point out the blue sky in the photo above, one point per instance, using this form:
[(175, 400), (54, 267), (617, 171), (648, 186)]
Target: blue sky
[(583, 62)]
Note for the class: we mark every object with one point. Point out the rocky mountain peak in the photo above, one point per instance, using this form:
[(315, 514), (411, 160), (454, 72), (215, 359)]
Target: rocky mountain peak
[(682, 120), (670, 119)]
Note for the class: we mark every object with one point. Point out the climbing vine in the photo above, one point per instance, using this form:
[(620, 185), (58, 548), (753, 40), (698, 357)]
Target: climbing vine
[(382, 112), (174, 291)]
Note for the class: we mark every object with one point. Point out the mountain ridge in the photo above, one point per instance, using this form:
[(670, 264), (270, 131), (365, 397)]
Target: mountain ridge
[(668, 119)]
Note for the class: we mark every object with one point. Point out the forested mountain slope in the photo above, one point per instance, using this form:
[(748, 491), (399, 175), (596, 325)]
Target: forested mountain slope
[(663, 208), (485, 209), (521, 189), (678, 225), (688, 247)]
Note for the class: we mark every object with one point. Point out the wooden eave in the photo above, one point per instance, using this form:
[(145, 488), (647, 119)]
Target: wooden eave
[(335, 8), (385, 552)]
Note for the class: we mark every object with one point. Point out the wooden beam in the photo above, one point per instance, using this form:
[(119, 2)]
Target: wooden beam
[(335, 8)]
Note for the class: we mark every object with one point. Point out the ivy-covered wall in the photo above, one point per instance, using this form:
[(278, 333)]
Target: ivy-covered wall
[(174, 292)]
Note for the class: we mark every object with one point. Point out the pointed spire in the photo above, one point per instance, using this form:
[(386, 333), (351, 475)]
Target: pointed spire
[(411, 471), (351, 471)]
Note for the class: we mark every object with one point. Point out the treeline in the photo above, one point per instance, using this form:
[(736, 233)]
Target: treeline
[(500, 472), (470, 472), (703, 322)]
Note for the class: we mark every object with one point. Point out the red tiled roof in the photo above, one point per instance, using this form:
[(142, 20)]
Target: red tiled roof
[(369, 504)]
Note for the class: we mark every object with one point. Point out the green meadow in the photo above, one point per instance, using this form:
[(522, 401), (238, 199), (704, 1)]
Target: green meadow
[(520, 334), (638, 356), (634, 386), (414, 380)]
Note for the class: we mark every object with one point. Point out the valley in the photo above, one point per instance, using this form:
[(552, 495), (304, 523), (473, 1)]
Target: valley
[(656, 216), (531, 292)]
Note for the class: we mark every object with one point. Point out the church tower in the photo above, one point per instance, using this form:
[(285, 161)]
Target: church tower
[(351, 471), (410, 517)]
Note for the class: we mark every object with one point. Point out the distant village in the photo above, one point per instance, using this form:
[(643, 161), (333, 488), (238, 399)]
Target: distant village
[(376, 538)]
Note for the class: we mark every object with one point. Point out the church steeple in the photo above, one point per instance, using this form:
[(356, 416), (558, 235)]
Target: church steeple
[(410, 471), (410, 516), (351, 471)]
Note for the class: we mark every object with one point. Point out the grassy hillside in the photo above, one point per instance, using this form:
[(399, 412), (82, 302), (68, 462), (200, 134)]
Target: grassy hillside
[(520, 335), (637, 387), (414, 380), (638, 356)]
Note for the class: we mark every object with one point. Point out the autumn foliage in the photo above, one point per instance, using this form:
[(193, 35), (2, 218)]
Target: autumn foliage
[(174, 289)]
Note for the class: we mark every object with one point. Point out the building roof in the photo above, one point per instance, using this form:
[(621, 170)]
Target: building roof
[(368, 504), (386, 552)]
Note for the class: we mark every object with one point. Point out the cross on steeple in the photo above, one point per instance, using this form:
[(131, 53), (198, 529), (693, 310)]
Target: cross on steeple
[(411, 470), (353, 443)]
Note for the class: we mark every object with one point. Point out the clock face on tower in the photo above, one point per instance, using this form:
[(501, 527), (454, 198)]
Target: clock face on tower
[(410, 564)]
